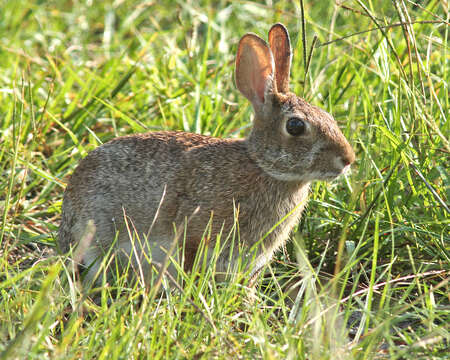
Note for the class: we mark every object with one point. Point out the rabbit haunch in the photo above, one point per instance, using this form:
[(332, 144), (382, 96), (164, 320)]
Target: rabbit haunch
[(163, 184)]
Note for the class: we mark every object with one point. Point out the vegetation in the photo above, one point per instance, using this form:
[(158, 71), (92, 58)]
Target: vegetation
[(367, 273)]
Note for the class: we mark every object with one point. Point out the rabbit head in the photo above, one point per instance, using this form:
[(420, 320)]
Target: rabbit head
[(291, 140)]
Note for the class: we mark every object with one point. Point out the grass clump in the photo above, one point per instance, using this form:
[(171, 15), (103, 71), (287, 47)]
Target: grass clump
[(367, 273)]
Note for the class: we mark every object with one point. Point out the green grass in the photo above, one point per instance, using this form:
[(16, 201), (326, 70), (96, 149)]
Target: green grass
[(372, 247)]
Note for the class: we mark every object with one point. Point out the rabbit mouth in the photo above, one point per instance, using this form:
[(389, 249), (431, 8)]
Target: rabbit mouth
[(332, 175), (305, 176), (325, 175), (287, 176), (339, 169)]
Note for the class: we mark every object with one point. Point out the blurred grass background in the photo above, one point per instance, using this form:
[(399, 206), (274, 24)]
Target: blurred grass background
[(370, 258)]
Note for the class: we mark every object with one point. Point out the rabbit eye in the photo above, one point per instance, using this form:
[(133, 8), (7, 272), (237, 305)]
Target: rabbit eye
[(295, 126)]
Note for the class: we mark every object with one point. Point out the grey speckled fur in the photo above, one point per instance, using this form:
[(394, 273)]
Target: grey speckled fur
[(165, 180)]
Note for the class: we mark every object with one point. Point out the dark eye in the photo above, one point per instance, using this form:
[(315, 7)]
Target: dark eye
[(295, 126)]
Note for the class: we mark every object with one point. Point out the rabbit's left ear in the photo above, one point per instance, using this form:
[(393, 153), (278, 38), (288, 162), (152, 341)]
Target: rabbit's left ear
[(254, 70), (280, 44)]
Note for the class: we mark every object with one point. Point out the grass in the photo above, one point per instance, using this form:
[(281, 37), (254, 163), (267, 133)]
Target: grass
[(366, 275)]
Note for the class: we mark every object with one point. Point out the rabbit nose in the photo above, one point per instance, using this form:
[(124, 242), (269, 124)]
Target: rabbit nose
[(348, 159), (344, 160), (348, 155), (352, 157)]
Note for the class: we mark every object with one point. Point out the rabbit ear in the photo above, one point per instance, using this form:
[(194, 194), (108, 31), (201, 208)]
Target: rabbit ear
[(280, 44), (254, 69)]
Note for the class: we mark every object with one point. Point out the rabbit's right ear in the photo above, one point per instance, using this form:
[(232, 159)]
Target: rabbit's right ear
[(255, 70)]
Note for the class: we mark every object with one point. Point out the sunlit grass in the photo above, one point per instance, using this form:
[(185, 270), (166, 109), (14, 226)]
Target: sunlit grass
[(366, 275)]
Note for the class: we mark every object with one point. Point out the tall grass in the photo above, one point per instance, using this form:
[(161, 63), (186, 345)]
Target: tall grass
[(366, 274)]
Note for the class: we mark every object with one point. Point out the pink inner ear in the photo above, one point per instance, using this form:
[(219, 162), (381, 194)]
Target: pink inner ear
[(260, 79), (254, 68)]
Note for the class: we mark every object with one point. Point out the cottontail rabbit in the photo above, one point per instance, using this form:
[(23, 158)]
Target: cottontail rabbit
[(160, 184)]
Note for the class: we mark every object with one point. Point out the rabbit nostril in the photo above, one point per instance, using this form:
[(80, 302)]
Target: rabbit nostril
[(348, 158), (346, 161)]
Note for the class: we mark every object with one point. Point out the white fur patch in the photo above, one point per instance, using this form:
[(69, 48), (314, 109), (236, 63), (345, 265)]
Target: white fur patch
[(338, 163), (284, 176)]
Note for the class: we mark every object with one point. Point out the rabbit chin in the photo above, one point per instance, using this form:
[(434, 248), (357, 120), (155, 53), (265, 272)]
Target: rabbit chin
[(284, 176), (325, 176), (305, 178)]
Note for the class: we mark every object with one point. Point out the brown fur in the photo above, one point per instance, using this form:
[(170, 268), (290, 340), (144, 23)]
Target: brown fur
[(171, 185)]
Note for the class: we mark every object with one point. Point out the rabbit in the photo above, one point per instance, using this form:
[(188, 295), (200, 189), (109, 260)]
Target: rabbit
[(144, 192)]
